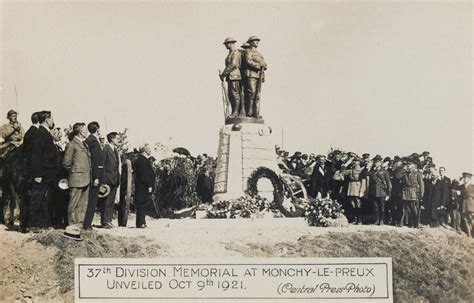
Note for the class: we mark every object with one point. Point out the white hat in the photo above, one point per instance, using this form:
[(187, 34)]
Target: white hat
[(63, 184), (72, 232)]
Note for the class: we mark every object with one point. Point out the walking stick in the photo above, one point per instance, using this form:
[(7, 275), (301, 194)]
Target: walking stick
[(256, 112), (224, 99)]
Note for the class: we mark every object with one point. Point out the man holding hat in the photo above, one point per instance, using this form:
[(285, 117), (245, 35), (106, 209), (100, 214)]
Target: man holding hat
[(11, 134), (467, 207), (253, 66), (413, 189), (77, 161), (233, 77)]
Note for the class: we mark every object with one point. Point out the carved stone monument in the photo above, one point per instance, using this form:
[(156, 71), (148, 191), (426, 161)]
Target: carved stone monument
[(245, 142)]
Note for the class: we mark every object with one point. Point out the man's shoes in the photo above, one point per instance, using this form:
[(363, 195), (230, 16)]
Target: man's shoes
[(88, 228), (142, 226), (108, 226)]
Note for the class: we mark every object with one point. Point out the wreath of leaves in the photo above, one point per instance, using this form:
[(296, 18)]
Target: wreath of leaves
[(278, 190)]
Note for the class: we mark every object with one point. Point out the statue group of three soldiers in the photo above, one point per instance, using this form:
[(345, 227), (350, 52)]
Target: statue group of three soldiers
[(244, 73)]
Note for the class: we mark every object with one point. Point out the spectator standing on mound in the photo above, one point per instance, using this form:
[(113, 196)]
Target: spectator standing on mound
[(320, 178), (77, 161), (97, 165), (111, 177), (380, 189), (144, 184), (412, 191), (44, 169), (467, 209)]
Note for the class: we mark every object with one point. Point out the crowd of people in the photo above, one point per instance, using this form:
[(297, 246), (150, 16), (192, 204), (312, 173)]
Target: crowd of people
[(62, 187), (409, 190)]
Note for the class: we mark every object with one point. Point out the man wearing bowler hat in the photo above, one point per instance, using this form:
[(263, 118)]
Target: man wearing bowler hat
[(233, 77), (253, 66)]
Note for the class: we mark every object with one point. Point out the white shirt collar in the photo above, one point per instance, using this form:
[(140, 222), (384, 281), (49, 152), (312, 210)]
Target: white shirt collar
[(79, 138), (49, 131)]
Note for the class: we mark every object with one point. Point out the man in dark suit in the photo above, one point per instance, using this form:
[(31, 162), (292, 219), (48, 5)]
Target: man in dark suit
[(144, 184), (436, 201), (77, 161), (320, 178), (30, 135), (44, 169), (28, 140), (447, 182), (111, 177), (97, 161)]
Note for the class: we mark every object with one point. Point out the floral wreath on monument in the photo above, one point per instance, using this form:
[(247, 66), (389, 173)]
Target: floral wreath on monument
[(263, 172)]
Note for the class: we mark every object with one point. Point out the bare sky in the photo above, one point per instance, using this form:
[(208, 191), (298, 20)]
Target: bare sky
[(388, 77)]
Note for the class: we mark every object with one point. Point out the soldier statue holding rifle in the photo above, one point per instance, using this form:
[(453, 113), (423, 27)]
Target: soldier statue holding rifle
[(232, 74), (244, 73), (253, 74)]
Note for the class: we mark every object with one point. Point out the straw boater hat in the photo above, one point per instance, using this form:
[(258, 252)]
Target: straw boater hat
[(104, 190), (63, 184), (72, 232)]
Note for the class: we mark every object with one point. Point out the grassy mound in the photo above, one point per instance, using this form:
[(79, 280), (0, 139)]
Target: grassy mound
[(429, 265), (95, 245)]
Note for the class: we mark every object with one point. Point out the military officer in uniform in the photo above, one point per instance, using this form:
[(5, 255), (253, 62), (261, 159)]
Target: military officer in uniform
[(467, 207), (253, 63), (413, 189), (380, 188), (11, 134), (232, 75)]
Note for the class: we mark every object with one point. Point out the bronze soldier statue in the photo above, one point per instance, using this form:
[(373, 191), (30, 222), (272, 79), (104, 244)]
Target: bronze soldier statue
[(233, 77), (253, 67)]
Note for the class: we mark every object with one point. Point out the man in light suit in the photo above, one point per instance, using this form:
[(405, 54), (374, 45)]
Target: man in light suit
[(77, 161), (111, 177), (97, 173)]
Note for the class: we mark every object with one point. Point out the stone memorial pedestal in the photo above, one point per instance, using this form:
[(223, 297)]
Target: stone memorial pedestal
[(245, 144)]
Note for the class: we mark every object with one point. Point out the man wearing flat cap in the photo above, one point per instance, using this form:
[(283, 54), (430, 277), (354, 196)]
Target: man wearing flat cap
[(413, 189), (467, 207), (233, 77), (253, 66), (11, 134)]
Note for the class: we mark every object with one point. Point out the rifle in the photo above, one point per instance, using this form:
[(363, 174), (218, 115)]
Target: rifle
[(257, 93), (224, 98)]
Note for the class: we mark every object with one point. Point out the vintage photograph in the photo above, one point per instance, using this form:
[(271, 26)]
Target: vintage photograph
[(236, 130)]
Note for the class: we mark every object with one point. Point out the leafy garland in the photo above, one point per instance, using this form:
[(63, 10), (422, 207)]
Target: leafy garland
[(278, 190), (243, 207)]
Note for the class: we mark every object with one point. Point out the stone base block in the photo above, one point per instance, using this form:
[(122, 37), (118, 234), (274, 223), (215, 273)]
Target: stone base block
[(242, 149)]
